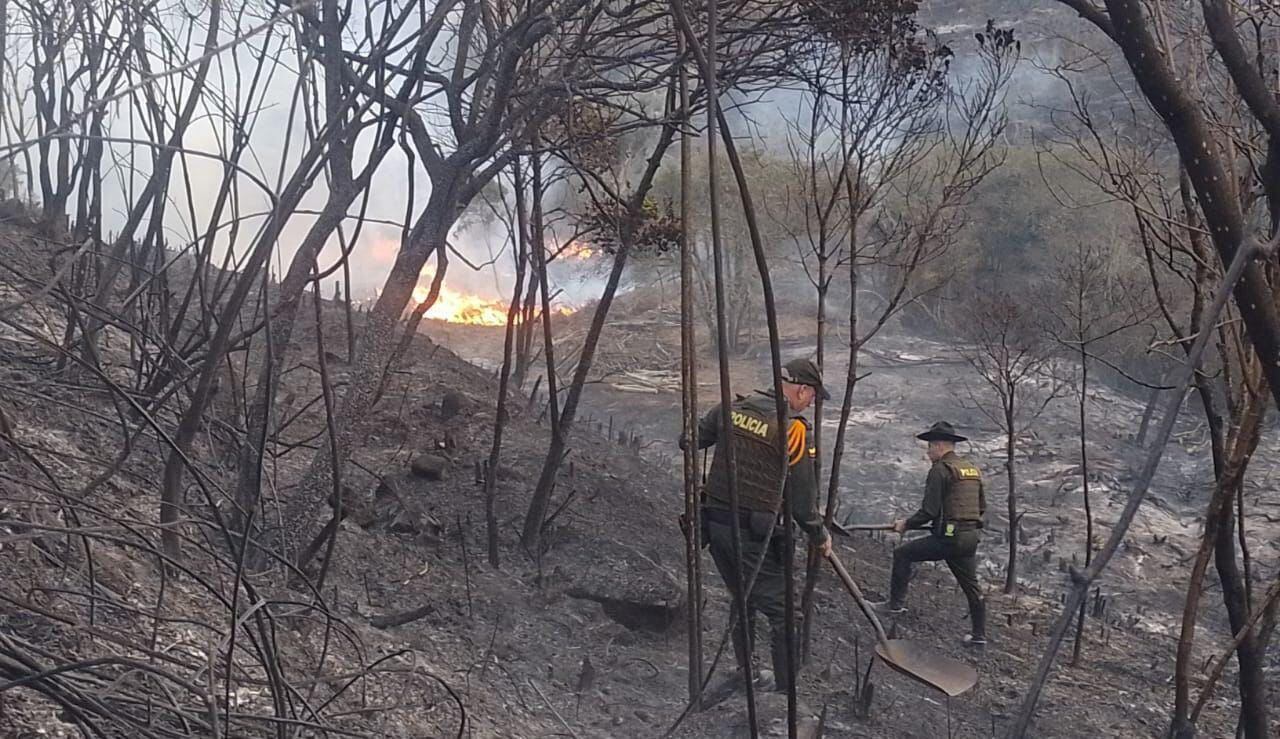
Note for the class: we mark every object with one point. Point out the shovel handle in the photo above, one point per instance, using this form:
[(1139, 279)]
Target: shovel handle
[(853, 589), (847, 529)]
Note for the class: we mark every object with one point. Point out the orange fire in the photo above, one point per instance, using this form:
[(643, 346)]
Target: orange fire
[(452, 306), (577, 251)]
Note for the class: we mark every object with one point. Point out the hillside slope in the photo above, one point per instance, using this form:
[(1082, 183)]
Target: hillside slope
[(585, 639)]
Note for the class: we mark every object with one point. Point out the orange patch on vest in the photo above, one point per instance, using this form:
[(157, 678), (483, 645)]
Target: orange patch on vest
[(795, 441)]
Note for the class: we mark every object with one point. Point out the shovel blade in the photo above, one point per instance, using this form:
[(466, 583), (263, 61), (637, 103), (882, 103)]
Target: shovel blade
[(952, 677)]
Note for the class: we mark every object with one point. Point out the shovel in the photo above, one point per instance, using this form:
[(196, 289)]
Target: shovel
[(941, 673)]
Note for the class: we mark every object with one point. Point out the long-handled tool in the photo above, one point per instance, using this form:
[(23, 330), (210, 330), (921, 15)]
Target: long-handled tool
[(843, 529), (942, 673)]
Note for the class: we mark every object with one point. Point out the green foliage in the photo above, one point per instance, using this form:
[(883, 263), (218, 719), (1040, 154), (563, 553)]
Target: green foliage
[(780, 216), (1027, 212), (1026, 226), (587, 134), (654, 230)]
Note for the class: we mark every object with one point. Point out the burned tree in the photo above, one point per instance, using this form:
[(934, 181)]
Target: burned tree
[(1013, 358), (168, 311), (742, 289), (692, 518), (490, 103), (1225, 208), (912, 147), (623, 216), (342, 123), (623, 222), (505, 379), (1095, 306)]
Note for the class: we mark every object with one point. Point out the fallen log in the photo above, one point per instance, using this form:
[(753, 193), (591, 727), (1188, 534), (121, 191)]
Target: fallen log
[(634, 388)]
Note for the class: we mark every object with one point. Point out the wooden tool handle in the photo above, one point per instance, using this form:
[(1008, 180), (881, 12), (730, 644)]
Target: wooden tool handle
[(852, 587), (847, 529)]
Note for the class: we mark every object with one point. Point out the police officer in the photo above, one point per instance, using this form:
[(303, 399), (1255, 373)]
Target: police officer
[(953, 509), (760, 479)]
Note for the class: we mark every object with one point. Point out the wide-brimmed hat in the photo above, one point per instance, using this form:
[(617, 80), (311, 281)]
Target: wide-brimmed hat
[(941, 431), (804, 372)]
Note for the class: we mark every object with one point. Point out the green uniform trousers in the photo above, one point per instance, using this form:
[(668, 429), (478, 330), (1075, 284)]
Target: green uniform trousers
[(960, 554), (768, 594)]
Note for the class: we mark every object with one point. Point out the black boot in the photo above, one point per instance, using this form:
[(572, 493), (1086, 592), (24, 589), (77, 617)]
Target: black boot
[(742, 650), (781, 660), (978, 622)]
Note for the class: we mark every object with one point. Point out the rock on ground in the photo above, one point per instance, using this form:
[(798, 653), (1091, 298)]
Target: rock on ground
[(430, 466)]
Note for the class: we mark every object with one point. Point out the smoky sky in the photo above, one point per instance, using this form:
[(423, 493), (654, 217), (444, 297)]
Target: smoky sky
[(400, 188)]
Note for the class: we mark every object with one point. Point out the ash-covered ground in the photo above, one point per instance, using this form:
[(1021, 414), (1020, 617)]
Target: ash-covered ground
[(587, 638), (1123, 685)]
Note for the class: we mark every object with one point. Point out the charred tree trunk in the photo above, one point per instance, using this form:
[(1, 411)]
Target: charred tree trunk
[(1011, 571), (1253, 686), (1081, 581), (156, 187), (1126, 23), (504, 376), (283, 318), (524, 335), (346, 311), (530, 536), (537, 243), (326, 389), (775, 357), (1084, 483), (851, 381), (374, 349), (414, 322), (171, 493), (1229, 468), (344, 187), (708, 69), (813, 563), (689, 400)]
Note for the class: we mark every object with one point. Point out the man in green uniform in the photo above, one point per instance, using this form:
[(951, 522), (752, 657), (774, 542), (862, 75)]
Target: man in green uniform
[(953, 509), (760, 480)]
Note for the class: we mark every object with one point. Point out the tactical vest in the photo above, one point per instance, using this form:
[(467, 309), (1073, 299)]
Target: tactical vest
[(755, 437), (962, 502)]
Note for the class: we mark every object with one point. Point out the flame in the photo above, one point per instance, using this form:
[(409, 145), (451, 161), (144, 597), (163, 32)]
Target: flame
[(577, 251), (452, 306)]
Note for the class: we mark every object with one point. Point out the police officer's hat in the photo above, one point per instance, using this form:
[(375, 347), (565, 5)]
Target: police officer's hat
[(803, 371), (941, 431)]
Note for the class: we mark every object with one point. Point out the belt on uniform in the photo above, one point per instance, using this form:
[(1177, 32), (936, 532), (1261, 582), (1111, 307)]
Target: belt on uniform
[(724, 517), (952, 527)]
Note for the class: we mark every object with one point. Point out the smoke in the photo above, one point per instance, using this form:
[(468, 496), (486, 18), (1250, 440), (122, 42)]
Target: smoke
[(279, 132)]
